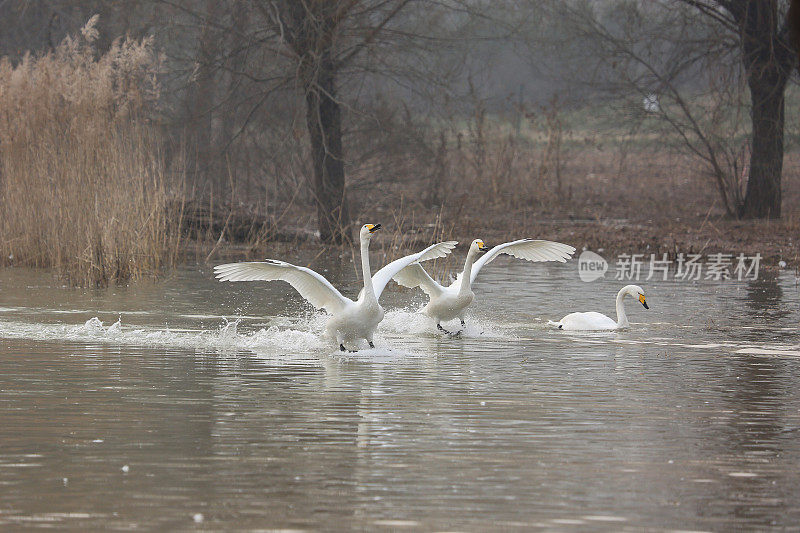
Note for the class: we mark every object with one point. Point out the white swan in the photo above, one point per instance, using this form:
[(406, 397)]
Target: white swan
[(350, 321), (448, 303), (598, 321)]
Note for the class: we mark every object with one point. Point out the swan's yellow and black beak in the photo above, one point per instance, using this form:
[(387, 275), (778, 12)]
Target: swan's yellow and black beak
[(482, 247), (373, 227), (643, 301)]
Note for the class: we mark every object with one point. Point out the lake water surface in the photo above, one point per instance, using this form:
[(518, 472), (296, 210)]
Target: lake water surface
[(191, 404)]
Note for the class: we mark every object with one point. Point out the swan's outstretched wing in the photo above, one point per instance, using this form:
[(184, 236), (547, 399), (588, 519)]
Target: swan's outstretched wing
[(529, 249), (415, 276), (384, 275), (311, 286)]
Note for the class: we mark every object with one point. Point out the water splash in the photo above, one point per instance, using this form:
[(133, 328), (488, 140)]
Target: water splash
[(226, 338), (300, 338), (408, 322)]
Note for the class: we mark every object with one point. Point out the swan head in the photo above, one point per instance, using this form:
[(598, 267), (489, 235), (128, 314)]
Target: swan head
[(637, 292), (478, 246), (367, 230)]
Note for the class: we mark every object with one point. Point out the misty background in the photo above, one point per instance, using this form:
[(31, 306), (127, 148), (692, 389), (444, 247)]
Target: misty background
[(298, 119)]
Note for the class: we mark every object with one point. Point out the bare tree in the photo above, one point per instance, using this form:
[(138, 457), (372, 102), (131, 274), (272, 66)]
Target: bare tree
[(199, 97), (699, 68), (320, 38), (767, 55), (305, 46)]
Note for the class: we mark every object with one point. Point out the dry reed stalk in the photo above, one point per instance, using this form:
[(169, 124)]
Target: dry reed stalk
[(84, 188)]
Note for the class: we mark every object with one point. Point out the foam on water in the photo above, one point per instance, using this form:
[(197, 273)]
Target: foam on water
[(409, 322), (770, 351), (225, 338), (300, 338), (292, 340)]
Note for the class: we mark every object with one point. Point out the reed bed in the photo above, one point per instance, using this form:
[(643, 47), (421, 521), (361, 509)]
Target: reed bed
[(83, 179)]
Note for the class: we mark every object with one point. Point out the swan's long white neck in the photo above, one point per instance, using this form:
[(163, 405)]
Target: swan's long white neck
[(622, 318), (466, 275), (369, 290)]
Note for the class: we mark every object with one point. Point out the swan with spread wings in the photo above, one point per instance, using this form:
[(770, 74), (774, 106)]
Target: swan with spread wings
[(451, 302), (350, 321)]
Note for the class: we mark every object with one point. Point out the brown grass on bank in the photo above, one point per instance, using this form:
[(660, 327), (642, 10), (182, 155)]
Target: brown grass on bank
[(546, 183), (82, 176)]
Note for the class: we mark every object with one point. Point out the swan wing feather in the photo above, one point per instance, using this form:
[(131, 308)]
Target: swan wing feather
[(383, 276), (528, 249), (311, 285), (414, 276)]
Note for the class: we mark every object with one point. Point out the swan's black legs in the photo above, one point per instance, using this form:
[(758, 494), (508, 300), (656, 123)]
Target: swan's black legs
[(370, 344), (342, 348), (440, 328), (463, 324)]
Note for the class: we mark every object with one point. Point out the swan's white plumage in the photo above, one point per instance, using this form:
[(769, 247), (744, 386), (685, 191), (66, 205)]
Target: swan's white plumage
[(415, 276), (311, 285), (447, 303), (383, 276), (528, 249), (349, 320), (594, 321), (588, 321)]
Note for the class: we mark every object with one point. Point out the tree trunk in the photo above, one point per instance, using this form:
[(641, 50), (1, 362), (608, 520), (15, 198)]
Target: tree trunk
[(763, 196), (199, 101), (324, 120), (767, 60)]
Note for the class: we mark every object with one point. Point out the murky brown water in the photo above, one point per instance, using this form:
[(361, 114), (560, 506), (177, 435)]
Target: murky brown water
[(171, 419)]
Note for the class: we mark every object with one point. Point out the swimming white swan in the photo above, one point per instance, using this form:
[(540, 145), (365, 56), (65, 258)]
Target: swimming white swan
[(448, 303), (349, 321), (597, 321)]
